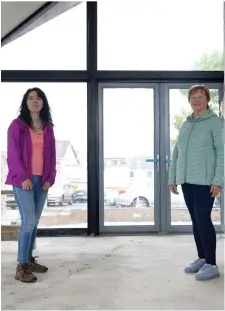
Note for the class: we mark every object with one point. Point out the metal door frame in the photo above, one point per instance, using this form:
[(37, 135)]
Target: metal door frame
[(165, 199), (157, 191), (162, 208)]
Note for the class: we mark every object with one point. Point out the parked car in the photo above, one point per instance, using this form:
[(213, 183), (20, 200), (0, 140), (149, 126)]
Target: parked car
[(80, 196), (135, 198), (111, 196), (60, 195), (11, 202), (145, 198)]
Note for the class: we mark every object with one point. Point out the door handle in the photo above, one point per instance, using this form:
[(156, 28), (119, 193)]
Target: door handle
[(153, 160), (168, 161)]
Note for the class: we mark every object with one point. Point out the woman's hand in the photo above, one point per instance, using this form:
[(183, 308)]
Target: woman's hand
[(215, 190), (173, 189), (27, 185), (46, 186)]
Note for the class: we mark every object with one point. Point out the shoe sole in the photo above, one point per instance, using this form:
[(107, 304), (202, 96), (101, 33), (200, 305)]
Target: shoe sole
[(39, 271), (23, 281), (208, 279), (33, 271)]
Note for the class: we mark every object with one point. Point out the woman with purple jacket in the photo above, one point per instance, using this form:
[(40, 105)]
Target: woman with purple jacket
[(31, 159)]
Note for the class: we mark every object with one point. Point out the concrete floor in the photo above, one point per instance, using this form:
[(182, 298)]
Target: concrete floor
[(112, 273)]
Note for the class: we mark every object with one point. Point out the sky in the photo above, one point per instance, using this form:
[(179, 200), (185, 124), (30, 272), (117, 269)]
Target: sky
[(146, 35)]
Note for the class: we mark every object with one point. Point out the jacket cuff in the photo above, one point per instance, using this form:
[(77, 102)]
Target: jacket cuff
[(172, 180), (51, 180), (218, 182)]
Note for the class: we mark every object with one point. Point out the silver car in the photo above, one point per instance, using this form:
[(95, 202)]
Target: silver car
[(145, 198)]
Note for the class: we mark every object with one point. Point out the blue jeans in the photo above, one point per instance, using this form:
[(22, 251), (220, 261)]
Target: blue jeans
[(30, 204)]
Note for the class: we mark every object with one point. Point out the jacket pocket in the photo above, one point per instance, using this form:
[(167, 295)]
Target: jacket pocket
[(210, 166), (206, 168)]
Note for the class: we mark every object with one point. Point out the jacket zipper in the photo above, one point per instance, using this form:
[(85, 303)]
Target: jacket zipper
[(185, 175)]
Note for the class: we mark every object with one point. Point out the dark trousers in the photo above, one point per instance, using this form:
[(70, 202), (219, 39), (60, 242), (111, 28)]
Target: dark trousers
[(200, 203)]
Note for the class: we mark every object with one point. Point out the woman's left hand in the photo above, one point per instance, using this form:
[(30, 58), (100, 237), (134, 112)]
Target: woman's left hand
[(46, 186), (215, 190)]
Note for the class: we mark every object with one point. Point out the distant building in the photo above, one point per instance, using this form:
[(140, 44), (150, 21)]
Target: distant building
[(69, 166), (122, 172), (116, 173), (4, 172)]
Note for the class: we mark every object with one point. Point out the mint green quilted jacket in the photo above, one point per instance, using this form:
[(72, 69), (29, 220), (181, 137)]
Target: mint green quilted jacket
[(198, 156)]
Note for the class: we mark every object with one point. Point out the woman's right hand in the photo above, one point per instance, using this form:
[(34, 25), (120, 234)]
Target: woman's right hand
[(27, 184), (173, 189)]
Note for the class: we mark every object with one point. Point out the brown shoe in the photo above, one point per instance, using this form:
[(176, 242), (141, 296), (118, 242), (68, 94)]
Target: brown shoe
[(36, 267), (24, 275)]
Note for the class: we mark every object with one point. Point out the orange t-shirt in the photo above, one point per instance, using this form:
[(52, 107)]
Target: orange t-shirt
[(37, 159)]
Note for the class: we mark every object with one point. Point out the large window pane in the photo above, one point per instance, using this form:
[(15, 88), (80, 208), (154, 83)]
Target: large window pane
[(128, 142), (69, 111), (58, 44), (160, 35)]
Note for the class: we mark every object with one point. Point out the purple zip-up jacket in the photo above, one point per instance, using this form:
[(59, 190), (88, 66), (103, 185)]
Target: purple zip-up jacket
[(19, 153)]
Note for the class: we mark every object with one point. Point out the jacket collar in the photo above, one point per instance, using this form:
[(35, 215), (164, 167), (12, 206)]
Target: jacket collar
[(24, 125)]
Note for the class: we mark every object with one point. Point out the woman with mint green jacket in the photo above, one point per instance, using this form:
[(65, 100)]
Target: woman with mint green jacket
[(198, 166)]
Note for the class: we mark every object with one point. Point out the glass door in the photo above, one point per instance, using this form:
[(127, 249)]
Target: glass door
[(177, 108), (130, 198)]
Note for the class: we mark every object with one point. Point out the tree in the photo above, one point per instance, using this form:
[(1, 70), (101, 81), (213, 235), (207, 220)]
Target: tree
[(213, 61)]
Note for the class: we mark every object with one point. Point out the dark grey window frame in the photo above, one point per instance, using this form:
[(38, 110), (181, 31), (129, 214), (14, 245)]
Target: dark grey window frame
[(92, 76)]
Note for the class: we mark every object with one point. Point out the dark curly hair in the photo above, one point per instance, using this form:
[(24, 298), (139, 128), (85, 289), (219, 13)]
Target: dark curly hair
[(45, 113)]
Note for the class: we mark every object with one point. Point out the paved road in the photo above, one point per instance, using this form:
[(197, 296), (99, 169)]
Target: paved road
[(69, 207)]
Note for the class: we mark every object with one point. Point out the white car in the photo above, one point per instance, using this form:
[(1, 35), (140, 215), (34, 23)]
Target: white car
[(111, 196), (145, 198), (58, 195)]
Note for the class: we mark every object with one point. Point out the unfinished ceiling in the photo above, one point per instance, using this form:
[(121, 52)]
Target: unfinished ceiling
[(14, 13), (19, 17)]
